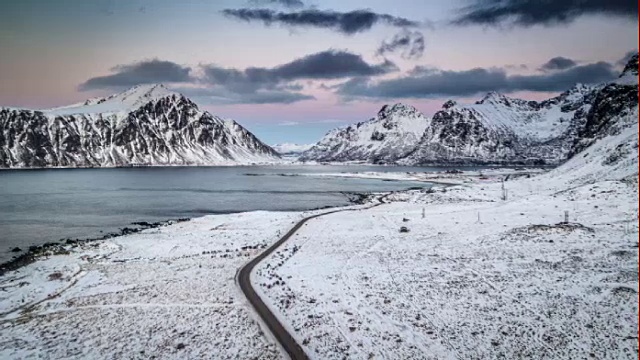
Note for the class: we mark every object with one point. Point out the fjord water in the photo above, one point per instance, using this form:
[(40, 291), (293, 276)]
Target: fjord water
[(44, 205)]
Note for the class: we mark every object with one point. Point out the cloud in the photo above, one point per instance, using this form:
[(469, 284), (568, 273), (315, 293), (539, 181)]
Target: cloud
[(535, 12), (625, 59), (411, 43), (289, 123), (347, 23), (143, 72), (516, 66), (330, 64), (431, 83), (254, 85), (558, 63), (285, 3), (271, 97), (279, 84), (219, 95)]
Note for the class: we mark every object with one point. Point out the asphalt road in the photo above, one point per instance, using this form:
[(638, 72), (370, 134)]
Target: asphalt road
[(293, 349)]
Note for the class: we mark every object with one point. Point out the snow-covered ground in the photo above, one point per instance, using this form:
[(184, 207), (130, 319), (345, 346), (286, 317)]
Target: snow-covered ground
[(486, 270), (476, 277), (164, 293), (291, 148), (451, 177), (481, 272)]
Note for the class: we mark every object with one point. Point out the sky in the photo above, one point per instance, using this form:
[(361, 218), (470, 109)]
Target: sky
[(290, 70)]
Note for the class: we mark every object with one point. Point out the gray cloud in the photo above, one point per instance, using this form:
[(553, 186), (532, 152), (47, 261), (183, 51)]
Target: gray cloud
[(516, 66), (285, 3), (330, 64), (431, 83), (254, 85), (558, 63), (410, 43), (143, 72), (280, 84), (536, 12), (625, 59), (347, 23), (222, 97)]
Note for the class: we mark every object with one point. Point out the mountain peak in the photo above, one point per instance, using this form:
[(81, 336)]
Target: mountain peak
[(629, 75), (144, 92), (449, 104), (631, 67), (493, 96), (396, 108), (127, 100)]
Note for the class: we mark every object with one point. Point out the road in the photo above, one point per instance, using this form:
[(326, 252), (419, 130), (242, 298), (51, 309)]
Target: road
[(288, 343)]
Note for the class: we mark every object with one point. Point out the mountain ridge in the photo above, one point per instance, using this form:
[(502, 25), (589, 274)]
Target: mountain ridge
[(388, 136), (146, 125), (495, 130)]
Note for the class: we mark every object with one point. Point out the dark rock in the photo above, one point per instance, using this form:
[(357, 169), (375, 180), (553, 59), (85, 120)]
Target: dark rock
[(34, 139)]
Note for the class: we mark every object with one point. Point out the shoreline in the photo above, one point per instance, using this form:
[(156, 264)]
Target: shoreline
[(466, 230), (33, 253), (287, 164)]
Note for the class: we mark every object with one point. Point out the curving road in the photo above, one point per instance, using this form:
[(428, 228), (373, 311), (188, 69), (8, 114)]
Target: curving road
[(293, 349)]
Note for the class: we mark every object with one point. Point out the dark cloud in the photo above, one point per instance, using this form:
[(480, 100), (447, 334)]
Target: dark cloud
[(285, 3), (430, 83), (221, 96), (545, 12), (331, 64), (516, 66), (558, 63), (143, 72), (347, 23), (562, 80), (280, 84), (410, 43)]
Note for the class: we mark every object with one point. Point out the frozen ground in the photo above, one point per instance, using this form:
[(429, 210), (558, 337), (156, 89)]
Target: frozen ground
[(164, 293), (477, 277), (481, 272), (451, 177), (485, 273)]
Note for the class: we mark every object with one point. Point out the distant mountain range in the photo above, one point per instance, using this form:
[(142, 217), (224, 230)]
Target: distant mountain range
[(495, 130), (289, 149), (145, 125), (150, 125)]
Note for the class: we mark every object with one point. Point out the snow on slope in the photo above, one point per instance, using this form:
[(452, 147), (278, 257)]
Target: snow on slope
[(478, 275), (391, 135), (290, 148), (126, 101), (165, 293), (487, 270), (495, 130), (146, 125), (530, 119)]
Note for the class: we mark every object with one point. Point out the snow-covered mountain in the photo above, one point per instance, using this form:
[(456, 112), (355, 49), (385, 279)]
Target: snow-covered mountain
[(502, 130), (291, 149), (390, 136), (606, 147), (495, 130), (145, 125)]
